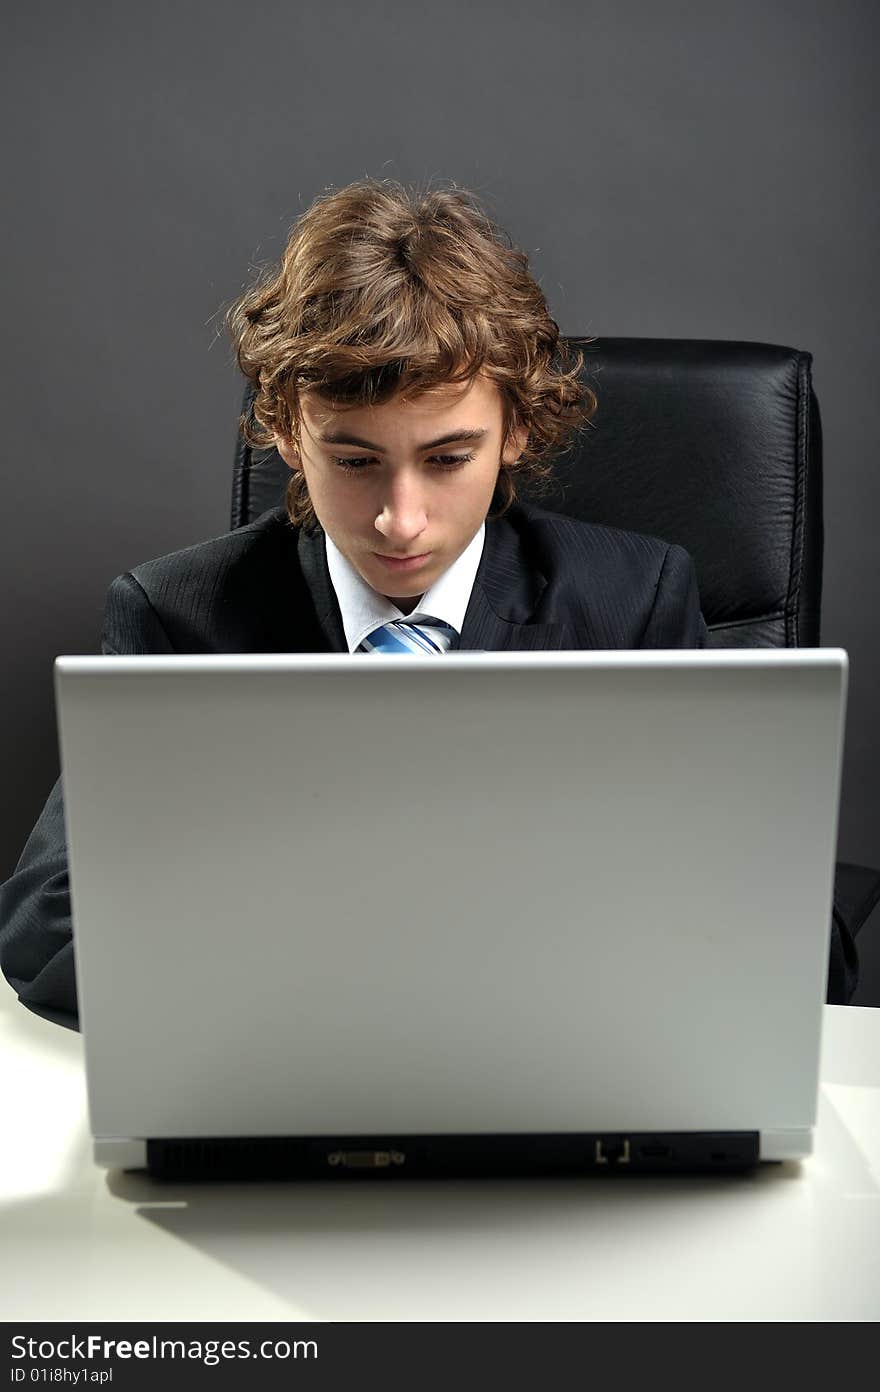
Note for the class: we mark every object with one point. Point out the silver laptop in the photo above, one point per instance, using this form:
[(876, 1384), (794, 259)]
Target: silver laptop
[(490, 913)]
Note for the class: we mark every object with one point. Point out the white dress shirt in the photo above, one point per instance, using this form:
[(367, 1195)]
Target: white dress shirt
[(364, 609)]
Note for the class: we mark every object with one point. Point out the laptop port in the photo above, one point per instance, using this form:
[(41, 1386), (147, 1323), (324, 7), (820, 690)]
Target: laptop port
[(612, 1151), (365, 1159), (654, 1152)]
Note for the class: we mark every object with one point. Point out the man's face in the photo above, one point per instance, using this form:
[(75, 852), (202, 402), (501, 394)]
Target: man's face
[(400, 497)]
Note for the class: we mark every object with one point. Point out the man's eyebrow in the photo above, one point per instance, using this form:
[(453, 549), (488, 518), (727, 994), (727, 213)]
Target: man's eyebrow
[(336, 437)]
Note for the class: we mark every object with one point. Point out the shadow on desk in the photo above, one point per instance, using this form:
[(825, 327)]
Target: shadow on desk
[(475, 1249)]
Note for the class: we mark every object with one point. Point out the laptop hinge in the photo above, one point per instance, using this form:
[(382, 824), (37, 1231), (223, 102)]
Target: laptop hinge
[(120, 1153)]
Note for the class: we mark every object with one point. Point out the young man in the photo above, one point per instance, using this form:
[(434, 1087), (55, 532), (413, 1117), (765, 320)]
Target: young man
[(408, 371)]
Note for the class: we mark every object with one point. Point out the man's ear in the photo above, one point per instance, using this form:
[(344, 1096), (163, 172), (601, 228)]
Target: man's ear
[(516, 443), (288, 451)]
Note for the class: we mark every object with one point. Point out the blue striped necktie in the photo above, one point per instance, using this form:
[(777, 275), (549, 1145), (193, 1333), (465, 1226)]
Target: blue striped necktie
[(428, 636)]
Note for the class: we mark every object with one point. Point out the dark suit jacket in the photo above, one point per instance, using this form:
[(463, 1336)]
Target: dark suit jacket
[(544, 581)]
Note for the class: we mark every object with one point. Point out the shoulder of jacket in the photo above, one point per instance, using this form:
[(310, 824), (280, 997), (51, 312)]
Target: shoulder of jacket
[(217, 551), (556, 527)]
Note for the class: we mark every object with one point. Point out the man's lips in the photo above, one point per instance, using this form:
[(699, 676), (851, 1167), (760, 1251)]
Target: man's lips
[(402, 562)]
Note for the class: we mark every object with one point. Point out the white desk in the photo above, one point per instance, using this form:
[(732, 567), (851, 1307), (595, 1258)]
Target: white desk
[(796, 1241)]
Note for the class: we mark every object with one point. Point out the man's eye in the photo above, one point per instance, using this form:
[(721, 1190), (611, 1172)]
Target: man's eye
[(352, 466), (451, 461)]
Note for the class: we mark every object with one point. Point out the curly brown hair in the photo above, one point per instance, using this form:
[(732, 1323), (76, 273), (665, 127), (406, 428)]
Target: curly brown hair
[(384, 289)]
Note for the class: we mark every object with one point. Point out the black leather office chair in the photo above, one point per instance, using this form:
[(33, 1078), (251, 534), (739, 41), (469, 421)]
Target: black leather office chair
[(716, 446)]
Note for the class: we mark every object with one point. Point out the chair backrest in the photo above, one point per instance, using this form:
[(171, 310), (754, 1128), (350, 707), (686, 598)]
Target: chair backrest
[(714, 445)]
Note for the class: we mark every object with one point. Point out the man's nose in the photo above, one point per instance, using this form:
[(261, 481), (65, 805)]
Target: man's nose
[(402, 516)]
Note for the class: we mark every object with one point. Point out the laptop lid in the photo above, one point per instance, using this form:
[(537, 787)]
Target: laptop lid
[(498, 894)]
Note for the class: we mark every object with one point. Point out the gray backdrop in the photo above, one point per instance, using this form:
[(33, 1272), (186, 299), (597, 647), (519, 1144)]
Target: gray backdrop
[(673, 170)]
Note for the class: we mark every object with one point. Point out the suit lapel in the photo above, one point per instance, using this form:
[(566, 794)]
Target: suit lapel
[(313, 564), (507, 591)]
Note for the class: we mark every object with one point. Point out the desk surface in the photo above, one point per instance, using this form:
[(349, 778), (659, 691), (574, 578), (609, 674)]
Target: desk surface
[(797, 1241)]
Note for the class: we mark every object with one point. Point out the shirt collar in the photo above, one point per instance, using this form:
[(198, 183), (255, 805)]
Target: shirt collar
[(363, 608)]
